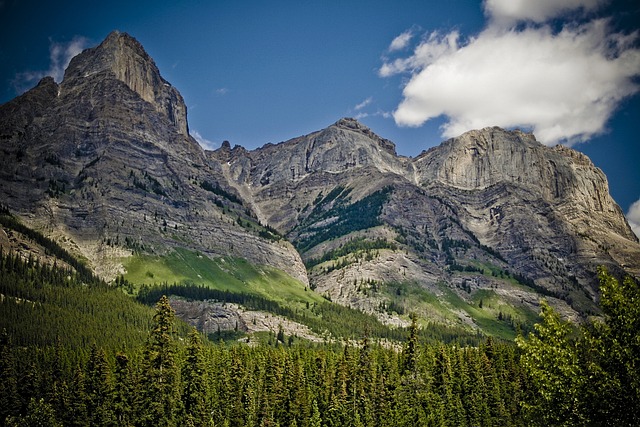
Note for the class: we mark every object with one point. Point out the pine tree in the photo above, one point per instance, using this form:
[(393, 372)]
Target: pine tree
[(194, 382), (98, 389), (316, 419), (122, 391), (39, 413), (9, 402), (77, 413), (160, 372), (409, 352)]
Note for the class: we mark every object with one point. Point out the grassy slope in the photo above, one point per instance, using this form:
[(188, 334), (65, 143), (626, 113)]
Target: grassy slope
[(226, 274), (413, 298)]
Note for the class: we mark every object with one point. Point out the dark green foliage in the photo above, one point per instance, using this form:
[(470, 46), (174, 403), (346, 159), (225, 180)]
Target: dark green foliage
[(42, 304), (336, 320), (353, 246), (359, 215), (587, 375), (194, 390), (172, 382), (148, 183), (51, 247), (216, 189), (54, 373)]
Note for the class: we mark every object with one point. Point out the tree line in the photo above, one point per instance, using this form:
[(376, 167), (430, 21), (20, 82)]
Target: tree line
[(171, 381)]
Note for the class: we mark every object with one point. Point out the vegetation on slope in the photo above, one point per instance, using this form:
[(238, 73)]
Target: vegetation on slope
[(126, 365), (350, 217), (558, 375), (234, 275)]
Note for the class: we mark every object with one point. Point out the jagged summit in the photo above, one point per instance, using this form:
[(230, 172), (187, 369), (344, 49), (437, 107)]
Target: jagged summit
[(122, 57), (351, 124), (105, 157)]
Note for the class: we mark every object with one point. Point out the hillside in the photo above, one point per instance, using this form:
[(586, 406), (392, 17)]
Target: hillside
[(469, 235)]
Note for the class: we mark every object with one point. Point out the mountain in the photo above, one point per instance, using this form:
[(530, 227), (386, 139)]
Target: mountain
[(472, 232), (104, 162)]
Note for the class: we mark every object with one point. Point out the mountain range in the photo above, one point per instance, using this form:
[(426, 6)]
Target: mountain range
[(472, 232)]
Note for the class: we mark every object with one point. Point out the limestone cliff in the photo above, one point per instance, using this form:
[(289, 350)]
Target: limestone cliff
[(103, 163), (490, 197), (124, 58)]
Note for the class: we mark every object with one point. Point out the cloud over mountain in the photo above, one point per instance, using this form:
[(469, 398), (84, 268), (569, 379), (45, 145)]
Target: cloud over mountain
[(60, 54), (633, 216), (562, 83)]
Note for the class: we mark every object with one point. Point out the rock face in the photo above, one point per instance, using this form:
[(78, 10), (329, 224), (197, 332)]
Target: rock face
[(489, 198), (122, 57), (104, 163)]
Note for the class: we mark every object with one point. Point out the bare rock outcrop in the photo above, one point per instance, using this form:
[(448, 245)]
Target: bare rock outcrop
[(124, 58), (103, 163)]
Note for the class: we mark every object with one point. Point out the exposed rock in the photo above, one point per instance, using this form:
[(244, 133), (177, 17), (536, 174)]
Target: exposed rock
[(104, 164), (104, 161), (208, 317), (124, 58)]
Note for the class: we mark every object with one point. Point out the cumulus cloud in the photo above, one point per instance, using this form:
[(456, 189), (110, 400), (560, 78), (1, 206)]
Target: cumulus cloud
[(633, 217), (505, 12), (60, 54), (562, 84), (204, 142)]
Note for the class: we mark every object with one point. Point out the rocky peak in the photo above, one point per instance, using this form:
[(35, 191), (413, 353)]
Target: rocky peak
[(123, 58), (350, 124), (346, 145), (481, 159)]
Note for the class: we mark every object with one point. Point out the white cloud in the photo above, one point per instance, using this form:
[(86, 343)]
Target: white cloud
[(222, 91), (204, 142), (563, 85), (363, 104), (633, 217), (60, 54), (506, 12), (401, 41)]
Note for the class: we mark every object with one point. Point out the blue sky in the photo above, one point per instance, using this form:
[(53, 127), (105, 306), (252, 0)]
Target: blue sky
[(415, 72)]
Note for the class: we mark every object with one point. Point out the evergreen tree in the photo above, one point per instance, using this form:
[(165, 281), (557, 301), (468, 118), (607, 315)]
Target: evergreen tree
[(411, 347), (9, 402), (77, 415), (123, 396), (194, 383), (160, 373), (39, 414), (316, 419), (98, 389)]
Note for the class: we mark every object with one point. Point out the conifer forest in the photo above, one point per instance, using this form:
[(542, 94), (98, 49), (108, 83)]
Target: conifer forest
[(75, 351)]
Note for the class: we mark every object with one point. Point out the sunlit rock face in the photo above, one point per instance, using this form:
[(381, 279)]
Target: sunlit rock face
[(122, 57), (503, 198), (103, 163)]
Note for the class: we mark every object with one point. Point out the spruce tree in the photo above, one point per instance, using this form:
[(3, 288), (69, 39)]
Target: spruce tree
[(123, 392), (410, 350), (194, 382), (160, 372), (98, 389), (9, 402)]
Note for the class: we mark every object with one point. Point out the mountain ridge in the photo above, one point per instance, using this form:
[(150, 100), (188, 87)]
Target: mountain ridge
[(104, 164)]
